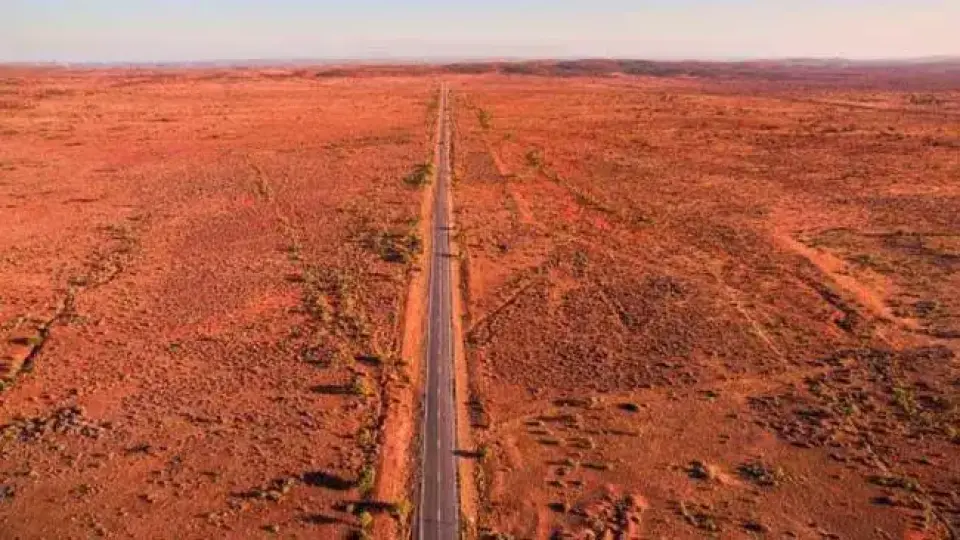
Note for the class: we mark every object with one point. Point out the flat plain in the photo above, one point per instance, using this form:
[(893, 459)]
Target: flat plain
[(696, 300), (703, 308), (203, 278)]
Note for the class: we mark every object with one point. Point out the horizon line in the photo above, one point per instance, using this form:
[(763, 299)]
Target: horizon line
[(450, 60)]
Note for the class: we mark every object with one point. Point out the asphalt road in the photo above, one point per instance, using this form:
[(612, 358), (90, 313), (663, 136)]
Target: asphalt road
[(439, 512)]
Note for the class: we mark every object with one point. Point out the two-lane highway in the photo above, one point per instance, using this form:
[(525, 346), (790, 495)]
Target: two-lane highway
[(439, 512)]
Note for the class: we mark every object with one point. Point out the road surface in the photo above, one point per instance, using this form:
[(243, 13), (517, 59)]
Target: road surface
[(439, 515)]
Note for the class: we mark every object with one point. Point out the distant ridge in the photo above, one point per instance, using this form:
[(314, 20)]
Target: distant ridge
[(929, 73)]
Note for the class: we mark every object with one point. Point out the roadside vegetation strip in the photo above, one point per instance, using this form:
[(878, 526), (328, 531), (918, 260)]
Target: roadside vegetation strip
[(342, 337), (399, 452), (468, 467)]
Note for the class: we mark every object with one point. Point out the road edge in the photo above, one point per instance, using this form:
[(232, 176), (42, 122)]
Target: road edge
[(402, 433), (465, 467)]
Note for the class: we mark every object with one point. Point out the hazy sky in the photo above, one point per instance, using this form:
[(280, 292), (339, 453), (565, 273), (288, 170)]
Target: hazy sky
[(170, 30)]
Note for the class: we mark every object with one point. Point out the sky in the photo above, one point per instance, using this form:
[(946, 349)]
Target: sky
[(203, 30)]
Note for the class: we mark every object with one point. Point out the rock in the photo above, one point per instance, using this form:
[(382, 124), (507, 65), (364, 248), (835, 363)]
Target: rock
[(755, 526), (630, 407), (700, 470), (559, 507), (886, 500)]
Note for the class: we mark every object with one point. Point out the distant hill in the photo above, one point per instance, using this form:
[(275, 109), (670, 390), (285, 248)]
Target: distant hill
[(933, 73)]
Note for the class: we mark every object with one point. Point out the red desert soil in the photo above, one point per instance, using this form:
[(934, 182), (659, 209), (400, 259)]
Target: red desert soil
[(202, 288), (703, 309)]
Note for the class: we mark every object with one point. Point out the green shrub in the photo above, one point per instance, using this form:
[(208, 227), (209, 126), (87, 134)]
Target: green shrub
[(420, 176), (485, 118), (368, 477)]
